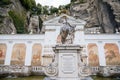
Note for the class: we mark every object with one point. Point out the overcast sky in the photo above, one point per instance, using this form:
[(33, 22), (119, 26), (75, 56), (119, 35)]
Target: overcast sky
[(54, 3)]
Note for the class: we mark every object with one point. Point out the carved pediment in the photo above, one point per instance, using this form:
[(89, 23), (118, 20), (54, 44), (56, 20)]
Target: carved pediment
[(71, 20)]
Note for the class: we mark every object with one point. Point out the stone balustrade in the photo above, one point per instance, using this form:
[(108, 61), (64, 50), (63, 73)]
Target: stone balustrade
[(94, 30), (16, 70), (37, 69), (106, 70), (11, 69), (94, 70)]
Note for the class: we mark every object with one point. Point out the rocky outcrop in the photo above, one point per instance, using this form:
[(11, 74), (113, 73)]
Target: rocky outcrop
[(99, 13), (7, 27), (34, 25), (16, 19), (104, 14), (6, 22)]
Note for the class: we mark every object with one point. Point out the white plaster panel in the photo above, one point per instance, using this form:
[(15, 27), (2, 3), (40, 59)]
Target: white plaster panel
[(63, 71)]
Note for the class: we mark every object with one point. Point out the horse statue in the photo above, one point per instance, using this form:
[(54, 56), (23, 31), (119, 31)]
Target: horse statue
[(67, 33)]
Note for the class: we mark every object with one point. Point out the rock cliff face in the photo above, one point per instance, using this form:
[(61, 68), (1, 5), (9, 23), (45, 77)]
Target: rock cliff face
[(104, 14), (34, 25), (6, 23), (99, 13), (15, 19)]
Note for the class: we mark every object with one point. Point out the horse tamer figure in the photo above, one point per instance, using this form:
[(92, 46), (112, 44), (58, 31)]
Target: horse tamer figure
[(67, 33)]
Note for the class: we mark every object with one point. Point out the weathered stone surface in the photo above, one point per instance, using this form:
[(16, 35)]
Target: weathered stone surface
[(14, 71), (6, 23), (99, 13), (7, 26), (34, 25)]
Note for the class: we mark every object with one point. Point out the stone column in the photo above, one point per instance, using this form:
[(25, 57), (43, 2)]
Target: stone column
[(101, 54), (8, 53), (28, 56)]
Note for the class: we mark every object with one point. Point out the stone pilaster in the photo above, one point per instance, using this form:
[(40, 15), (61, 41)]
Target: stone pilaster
[(28, 56), (119, 46), (101, 54), (8, 52)]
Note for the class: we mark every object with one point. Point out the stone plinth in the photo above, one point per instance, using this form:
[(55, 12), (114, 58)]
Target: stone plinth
[(67, 64), (67, 56)]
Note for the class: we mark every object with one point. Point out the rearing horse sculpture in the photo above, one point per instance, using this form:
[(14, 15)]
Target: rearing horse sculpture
[(67, 33)]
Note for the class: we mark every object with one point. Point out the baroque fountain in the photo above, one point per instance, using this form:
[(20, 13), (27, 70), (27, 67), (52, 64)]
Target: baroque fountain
[(69, 62)]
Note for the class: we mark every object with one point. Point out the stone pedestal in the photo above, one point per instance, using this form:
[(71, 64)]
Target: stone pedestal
[(67, 64), (68, 56)]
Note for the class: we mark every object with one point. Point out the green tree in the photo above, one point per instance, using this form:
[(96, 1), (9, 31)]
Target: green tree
[(73, 0), (81, 1), (53, 10), (67, 6), (39, 8), (45, 9), (5, 2), (28, 4), (61, 7)]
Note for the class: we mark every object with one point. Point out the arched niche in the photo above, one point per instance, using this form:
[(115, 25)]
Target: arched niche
[(3, 49), (18, 54), (93, 59), (36, 54), (112, 55)]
